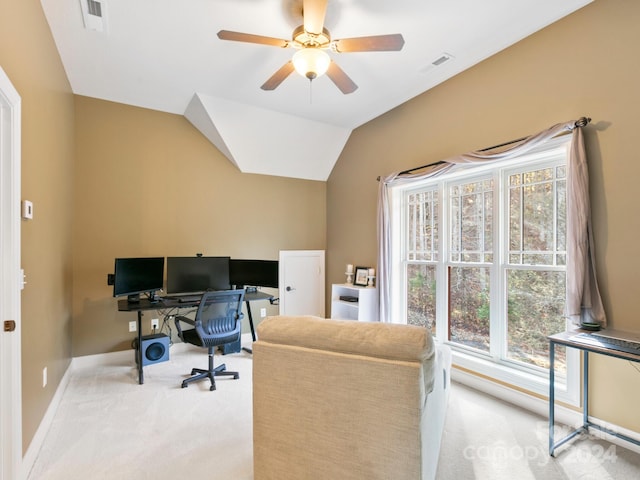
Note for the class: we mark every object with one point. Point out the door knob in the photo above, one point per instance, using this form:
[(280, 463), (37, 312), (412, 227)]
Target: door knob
[(289, 289)]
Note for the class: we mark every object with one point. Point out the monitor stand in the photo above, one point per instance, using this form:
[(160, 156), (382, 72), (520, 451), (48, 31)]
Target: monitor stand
[(135, 298)]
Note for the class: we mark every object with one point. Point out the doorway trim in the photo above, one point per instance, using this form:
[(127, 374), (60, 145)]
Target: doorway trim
[(10, 281)]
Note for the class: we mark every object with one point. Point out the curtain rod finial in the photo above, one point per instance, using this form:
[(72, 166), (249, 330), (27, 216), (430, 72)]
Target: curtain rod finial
[(583, 121)]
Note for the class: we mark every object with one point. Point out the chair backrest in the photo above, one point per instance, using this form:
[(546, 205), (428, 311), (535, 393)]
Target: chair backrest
[(219, 317)]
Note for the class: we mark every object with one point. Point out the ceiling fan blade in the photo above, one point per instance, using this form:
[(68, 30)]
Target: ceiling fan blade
[(250, 38), (277, 78), (375, 43), (313, 12), (341, 79)]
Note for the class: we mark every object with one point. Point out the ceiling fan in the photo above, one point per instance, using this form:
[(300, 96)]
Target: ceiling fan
[(312, 40)]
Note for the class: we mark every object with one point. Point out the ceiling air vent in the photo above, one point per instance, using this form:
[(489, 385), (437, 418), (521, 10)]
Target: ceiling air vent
[(445, 57), (94, 8), (93, 13), (442, 59)]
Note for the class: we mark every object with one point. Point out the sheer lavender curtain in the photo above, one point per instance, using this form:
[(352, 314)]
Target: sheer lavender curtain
[(583, 302)]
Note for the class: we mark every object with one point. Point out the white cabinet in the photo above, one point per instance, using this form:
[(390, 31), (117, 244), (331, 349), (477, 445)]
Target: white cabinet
[(364, 306)]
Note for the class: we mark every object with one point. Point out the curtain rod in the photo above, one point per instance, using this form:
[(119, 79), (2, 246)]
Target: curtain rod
[(581, 122)]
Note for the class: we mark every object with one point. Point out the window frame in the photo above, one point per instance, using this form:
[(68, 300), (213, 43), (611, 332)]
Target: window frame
[(553, 153)]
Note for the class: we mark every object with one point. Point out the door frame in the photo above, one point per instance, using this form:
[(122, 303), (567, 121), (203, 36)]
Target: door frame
[(10, 281)]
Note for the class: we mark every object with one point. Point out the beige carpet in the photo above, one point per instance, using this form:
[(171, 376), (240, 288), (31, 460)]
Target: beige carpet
[(486, 438), (109, 427)]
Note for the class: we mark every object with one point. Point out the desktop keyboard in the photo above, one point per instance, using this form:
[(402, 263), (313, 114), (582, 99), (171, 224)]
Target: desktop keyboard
[(189, 298), (608, 342), (184, 298)]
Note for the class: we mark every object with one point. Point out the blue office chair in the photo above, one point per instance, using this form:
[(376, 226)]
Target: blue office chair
[(218, 321)]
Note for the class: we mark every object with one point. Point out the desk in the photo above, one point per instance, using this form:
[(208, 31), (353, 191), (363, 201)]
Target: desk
[(564, 338), (252, 297), (145, 304)]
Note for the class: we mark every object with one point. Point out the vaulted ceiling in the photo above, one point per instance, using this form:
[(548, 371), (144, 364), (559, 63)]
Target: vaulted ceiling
[(165, 55)]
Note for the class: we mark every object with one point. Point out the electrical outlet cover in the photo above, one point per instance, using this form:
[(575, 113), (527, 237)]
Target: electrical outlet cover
[(27, 209)]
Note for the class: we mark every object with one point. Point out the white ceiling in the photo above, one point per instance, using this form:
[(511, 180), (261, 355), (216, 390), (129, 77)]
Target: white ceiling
[(164, 55)]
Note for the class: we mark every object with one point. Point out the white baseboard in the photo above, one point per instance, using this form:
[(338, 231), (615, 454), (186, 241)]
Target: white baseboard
[(36, 443), (125, 356), (540, 406)]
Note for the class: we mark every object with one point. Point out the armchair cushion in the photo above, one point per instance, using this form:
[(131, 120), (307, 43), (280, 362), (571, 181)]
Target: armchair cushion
[(380, 340)]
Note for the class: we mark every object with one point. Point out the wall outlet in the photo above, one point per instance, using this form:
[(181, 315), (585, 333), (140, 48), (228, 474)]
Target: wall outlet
[(132, 326), (263, 312), (155, 323), (44, 377)]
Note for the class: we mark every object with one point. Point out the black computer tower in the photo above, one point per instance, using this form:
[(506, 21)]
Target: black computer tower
[(233, 347)]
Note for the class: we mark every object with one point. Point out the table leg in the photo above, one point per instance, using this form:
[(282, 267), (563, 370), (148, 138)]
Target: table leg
[(585, 391), (253, 331), (551, 396), (139, 350)]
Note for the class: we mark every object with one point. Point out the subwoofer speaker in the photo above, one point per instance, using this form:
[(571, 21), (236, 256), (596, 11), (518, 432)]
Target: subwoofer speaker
[(155, 349)]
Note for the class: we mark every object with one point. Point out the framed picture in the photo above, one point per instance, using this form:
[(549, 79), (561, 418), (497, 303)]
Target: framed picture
[(361, 276)]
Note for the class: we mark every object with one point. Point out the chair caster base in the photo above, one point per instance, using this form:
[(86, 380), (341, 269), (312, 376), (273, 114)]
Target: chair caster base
[(202, 374)]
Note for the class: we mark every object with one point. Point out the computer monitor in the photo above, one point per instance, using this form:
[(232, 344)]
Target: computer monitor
[(197, 274), (255, 273), (133, 276)]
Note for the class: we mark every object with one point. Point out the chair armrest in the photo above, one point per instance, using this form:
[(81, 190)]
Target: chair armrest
[(187, 320)]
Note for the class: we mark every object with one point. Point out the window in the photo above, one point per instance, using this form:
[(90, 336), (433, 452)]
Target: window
[(483, 263)]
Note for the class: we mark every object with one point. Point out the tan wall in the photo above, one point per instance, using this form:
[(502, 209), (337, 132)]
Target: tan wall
[(143, 183), (30, 59), (149, 184), (585, 64)]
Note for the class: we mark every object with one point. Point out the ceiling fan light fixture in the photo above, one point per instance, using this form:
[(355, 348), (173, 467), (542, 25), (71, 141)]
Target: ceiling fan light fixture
[(311, 62)]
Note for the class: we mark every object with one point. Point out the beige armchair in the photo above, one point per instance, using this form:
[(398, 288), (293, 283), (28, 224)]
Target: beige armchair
[(346, 400)]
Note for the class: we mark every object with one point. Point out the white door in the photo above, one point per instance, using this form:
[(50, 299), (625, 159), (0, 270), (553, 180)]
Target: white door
[(10, 283), (301, 278)]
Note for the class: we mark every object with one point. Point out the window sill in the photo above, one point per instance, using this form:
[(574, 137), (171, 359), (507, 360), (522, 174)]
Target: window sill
[(527, 382)]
